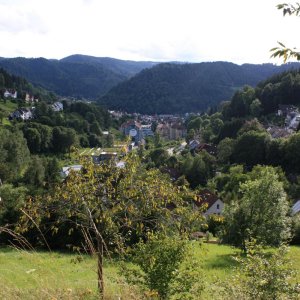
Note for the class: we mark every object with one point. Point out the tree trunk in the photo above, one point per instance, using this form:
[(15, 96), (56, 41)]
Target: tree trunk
[(100, 266)]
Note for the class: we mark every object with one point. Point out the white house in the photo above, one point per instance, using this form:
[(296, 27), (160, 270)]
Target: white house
[(216, 208), (294, 123), (66, 170), (296, 208), (21, 113), (213, 205), (57, 106), (12, 94)]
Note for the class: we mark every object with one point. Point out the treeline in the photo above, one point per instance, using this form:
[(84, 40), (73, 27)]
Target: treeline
[(179, 88), (22, 86), (265, 98), (79, 123), (76, 76)]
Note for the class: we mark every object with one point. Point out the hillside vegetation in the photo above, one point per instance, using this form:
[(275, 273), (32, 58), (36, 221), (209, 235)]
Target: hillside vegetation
[(179, 88), (76, 75)]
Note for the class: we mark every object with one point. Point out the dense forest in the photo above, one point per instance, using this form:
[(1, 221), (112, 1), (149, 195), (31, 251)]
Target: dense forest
[(22, 86), (76, 75), (180, 88)]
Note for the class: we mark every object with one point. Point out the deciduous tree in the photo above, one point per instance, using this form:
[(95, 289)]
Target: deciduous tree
[(110, 203)]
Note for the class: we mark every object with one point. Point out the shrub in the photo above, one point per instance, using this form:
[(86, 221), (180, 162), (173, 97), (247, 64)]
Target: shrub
[(263, 275), (165, 269)]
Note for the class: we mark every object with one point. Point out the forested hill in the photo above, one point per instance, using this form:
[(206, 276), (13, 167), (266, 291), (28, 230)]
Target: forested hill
[(76, 75), (22, 86), (179, 88)]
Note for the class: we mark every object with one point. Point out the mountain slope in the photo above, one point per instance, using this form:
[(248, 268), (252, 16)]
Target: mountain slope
[(179, 88), (76, 75)]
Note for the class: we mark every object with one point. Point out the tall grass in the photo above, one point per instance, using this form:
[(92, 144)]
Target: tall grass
[(45, 275)]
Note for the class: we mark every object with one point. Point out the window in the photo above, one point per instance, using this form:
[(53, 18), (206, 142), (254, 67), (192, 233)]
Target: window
[(218, 206)]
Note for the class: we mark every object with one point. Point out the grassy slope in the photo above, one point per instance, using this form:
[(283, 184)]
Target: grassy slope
[(7, 107), (42, 275)]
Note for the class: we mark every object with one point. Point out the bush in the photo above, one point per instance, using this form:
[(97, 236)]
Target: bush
[(165, 269), (263, 275)]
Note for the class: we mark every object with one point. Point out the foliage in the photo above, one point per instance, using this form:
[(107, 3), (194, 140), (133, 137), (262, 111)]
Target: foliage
[(261, 213), (250, 148), (178, 88), (198, 169), (225, 150), (282, 50), (75, 79), (109, 203), (22, 86), (159, 156), (263, 275), (166, 268), (14, 154), (12, 199)]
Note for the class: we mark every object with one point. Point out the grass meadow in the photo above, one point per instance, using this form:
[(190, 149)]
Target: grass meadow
[(54, 275)]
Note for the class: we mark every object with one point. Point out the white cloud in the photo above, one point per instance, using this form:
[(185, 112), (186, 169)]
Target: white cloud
[(166, 30)]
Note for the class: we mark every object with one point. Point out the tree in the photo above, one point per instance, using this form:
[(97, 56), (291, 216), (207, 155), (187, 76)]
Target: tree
[(282, 50), (263, 275), (250, 148), (95, 128), (14, 154), (35, 174), (52, 171), (109, 204), (109, 140), (2, 115), (2, 81), (261, 213), (225, 150), (292, 156), (33, 138), (255, 108), (159, 156), (168, 268), (64, 139), (12, 199)]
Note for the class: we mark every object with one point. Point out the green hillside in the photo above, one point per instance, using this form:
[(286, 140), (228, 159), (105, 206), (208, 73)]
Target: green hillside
[(180, 88), (76, 75)]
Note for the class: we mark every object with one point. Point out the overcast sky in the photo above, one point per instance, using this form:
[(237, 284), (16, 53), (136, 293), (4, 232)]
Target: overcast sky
[(240, 31)]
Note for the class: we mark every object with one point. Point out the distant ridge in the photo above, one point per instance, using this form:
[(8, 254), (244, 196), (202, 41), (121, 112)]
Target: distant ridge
[(76, 75), (145, 87), (192, 87)]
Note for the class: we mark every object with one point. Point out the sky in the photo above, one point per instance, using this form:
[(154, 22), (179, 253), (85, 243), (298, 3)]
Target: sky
[(239, 31)]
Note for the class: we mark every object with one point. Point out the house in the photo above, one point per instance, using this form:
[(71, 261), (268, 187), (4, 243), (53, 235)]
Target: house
[(21, 113), (294, 123), (277, 132), (10, 94), (133, 129), (171, 131), (30, 98), (66, 170), (147, 130), (104, 156), (57, 106), (193, 144), (177, 131), (163, 130), (285, 110), (213, 205), (296, 208)]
